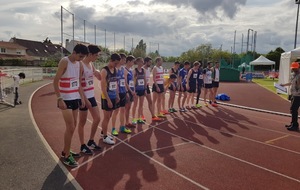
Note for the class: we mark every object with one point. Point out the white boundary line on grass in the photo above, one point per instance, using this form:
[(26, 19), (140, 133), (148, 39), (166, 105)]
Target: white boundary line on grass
[(52, 153)]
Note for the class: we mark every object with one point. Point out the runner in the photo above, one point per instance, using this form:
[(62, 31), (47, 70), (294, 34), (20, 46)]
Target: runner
[(173, 88), (140, 87), (128, 75), (87, 84), (207, 79), (191, 85), (110, 94), (199, 84), (122, 94), (182, 86), (147, 64), (70, 96), (215, 83), (158, 86)]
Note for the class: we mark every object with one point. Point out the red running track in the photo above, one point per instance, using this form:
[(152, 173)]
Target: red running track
[(207, 148)]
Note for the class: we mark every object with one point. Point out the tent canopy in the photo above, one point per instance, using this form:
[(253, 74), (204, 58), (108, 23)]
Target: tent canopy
[(262, 61)]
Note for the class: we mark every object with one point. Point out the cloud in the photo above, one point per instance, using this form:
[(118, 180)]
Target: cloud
[(208, 8)]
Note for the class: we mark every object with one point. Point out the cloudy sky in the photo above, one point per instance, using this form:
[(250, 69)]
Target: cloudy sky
[(172, 25)]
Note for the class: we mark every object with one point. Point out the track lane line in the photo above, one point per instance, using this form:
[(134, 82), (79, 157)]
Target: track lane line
[(276, 139)]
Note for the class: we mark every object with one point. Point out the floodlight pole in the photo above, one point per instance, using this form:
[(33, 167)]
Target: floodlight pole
[(296, 30)]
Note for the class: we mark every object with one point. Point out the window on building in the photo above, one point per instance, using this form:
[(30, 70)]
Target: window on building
[(3, 50)]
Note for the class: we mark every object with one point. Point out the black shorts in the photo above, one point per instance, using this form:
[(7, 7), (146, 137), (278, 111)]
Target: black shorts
[(192, 88), (140, 92), (215, 84), (93, 102), (183, 88), (148, 90), (160, 86), (73, 104), (122, 101), (105, 107), (130, 98), (208, 86), (171, 87)]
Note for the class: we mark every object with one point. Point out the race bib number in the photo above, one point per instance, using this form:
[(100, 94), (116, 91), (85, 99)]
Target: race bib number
[(89, 82), (122, 82), (74, 83), (201, 77), (195, 75), (141, 82), (217, 79), (209, 80), (112, 86), (131, 83)]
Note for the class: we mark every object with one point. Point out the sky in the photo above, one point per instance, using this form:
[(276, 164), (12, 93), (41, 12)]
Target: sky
[(170, 26)]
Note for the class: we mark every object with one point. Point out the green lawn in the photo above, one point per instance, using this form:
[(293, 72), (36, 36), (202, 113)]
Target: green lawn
[(269, 84)]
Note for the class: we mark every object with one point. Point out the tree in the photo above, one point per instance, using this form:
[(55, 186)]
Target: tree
[(140, 50), (275, 56)]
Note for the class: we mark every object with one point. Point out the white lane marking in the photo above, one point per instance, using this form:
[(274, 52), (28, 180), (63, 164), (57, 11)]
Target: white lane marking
[(113, 146), (166, 147), (233, 157)]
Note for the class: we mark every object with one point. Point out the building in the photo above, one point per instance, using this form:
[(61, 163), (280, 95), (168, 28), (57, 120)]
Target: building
[(38, 52), (10, 50)]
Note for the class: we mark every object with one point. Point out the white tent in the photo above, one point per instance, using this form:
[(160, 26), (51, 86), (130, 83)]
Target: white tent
[(285, 63), (262, 61)]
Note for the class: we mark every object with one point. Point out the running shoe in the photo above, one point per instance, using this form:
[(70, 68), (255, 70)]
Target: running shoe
[(206, 104), (194, 107), (73, 154), (155, 118), (114, 132), (161, 115), (129, 125), (134, 121), (108, 140), (187, 107), (70, 161), (102, 135), (171, 110), (85, 150), (209, 102), (93, 145), (198, 105), (174, 110), (140, 121), (123, 129), (143, 118)]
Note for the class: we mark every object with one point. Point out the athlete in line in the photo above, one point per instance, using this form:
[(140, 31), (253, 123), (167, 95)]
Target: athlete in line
[(87, 84), (147, 64), (123, 96), (70, 97), (110, 94)]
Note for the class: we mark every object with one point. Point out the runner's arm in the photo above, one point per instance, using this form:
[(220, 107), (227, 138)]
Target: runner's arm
[(103, 84)]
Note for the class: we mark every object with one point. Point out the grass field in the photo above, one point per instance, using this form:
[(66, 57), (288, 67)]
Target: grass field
[(269, 84)]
